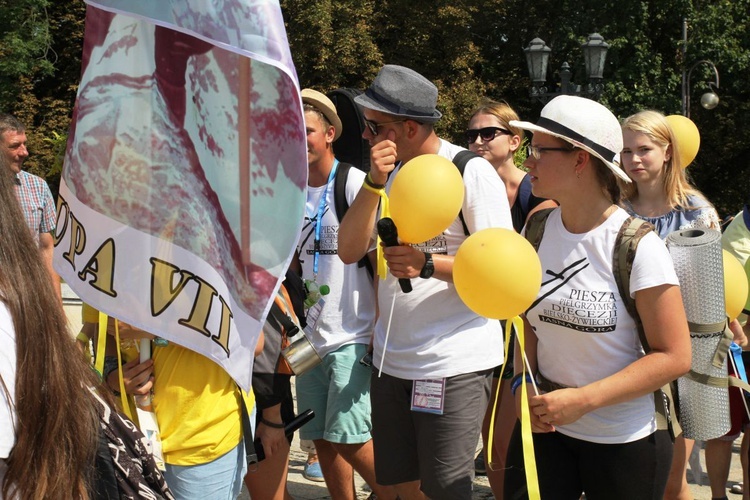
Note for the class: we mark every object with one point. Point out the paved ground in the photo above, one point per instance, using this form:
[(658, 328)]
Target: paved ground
[(302, 489)]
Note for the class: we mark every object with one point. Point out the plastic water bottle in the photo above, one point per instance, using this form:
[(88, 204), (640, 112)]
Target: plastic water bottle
[(314, 292)]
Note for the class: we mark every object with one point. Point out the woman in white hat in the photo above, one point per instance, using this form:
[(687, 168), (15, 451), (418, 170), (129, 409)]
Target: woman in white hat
[(596, 431), (490, 135)]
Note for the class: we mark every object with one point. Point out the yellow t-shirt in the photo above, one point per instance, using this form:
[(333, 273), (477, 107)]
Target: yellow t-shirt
[(736, 240), (197, 404)]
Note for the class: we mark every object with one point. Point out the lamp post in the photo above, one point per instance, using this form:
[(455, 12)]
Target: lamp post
[(537, 58), (710, 99)]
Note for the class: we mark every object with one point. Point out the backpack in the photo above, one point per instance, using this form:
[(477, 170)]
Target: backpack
[(626, 243), (124, 466), (460, 160), (350, 147)]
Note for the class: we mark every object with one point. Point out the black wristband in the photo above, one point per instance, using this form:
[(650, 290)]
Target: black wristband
[(371, 183), (110, 365), (271, 424)]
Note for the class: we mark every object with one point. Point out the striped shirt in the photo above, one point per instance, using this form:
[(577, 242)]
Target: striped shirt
[(36, 203)]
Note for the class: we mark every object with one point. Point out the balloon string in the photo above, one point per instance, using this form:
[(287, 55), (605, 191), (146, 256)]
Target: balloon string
[(387, 333), (529, 459), (528, 367)]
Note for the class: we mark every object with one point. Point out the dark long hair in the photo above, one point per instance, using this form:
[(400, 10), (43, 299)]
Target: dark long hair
[(57, 427)]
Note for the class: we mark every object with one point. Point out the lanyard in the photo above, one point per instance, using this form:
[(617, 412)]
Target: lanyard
[(319, 220)]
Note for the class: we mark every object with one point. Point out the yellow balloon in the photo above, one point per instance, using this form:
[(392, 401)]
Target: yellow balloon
[(687, 136), (747, 273), (425, 198), (735, 285), (497, 273)]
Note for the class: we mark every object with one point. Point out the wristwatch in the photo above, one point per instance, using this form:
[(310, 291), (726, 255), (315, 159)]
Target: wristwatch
[(429, 268)]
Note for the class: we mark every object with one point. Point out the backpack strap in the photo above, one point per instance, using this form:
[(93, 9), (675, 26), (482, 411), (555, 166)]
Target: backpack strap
[(342, 205), (535, 227), (339, 189), (460, 160), (626, 243)]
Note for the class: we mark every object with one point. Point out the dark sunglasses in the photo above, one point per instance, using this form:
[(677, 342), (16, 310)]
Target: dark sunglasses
[(486, 133), (375, 127)]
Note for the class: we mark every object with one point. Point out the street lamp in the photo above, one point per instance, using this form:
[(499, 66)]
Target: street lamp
[(710, 99), (537, 58)]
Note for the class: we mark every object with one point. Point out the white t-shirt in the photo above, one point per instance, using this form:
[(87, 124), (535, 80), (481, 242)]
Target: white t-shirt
[(348, 315), (8, 374), (585, 333), (432, 333)]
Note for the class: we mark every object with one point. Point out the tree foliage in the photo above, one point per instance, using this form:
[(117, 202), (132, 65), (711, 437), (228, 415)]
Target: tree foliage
[(471, 49), (468, 48), (40, 65)]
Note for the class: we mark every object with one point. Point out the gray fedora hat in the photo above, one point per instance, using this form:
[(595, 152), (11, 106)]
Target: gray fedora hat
[(400, 91)]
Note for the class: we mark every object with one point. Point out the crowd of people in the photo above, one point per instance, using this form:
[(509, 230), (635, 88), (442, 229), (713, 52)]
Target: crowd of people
[(404, 383)]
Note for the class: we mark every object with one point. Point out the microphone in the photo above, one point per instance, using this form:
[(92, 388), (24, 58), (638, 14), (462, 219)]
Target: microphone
[(389, 234)]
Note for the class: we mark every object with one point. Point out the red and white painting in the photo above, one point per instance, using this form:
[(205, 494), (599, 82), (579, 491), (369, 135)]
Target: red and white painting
[(183, 185)]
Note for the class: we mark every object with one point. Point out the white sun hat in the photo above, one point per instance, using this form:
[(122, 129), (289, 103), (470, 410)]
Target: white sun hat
[(585, 124)]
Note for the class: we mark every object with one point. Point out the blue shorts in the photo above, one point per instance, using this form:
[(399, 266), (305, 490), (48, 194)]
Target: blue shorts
[(338, 391), (219, 479)]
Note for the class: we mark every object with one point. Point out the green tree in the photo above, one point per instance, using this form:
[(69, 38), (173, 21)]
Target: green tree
[(25, 42), (331, 42), (469, 49), (45, 74)]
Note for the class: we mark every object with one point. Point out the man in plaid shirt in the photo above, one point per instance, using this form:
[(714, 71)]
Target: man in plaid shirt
[(33, 193)]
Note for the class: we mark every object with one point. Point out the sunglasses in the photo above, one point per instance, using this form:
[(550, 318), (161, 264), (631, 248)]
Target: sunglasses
[(374, 126), (486, 133)]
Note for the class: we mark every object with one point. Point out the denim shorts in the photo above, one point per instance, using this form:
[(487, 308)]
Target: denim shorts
[(218, 480), (338, 391)]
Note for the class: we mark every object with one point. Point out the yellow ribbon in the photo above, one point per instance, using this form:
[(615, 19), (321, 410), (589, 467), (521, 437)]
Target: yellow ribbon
[(100, 347), (123, 396), (101, 343), (494, 403), (529, 459), (385, 211)]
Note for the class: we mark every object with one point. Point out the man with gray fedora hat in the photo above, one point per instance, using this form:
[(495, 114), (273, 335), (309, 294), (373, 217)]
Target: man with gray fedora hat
[(340, 324), (424, 449)]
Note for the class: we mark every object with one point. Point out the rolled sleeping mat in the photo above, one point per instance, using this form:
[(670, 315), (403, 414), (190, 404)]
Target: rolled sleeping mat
[(703, 394)]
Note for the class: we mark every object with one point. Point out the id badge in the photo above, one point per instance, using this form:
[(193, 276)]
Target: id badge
[(428, 396)]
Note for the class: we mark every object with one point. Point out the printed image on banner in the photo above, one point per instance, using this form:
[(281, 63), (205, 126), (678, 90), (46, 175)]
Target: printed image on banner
[(183, 187)]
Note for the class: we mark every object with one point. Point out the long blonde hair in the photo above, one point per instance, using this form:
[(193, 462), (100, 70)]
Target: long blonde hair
[(57, 427), (677, 188)]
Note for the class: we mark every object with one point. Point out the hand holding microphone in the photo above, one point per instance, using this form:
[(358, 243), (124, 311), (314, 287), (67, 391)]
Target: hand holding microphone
[(389, 234)]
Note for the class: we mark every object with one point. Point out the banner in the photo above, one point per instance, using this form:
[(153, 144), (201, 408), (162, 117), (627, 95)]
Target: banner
[(183, 187)]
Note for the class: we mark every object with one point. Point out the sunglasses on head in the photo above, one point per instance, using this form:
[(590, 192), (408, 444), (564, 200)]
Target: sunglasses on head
[(486, 133)]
